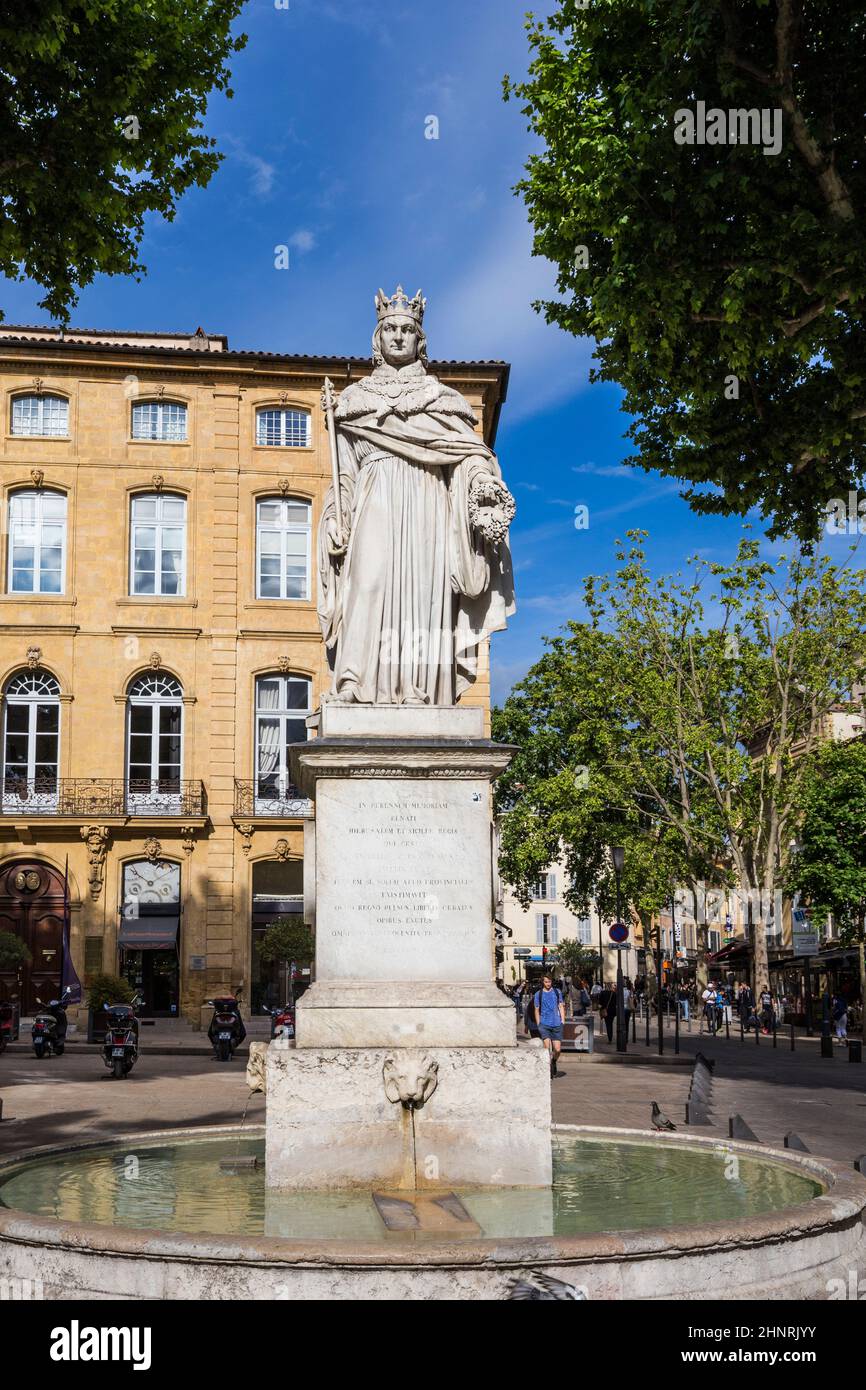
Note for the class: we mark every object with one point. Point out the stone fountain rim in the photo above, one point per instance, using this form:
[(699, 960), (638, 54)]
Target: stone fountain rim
[(841, 1205)]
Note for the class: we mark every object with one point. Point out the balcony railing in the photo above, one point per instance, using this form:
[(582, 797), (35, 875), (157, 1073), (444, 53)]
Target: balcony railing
[(282, 801), (100, 796)]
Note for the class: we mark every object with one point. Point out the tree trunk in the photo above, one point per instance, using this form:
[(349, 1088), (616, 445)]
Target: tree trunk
[(760, 959)]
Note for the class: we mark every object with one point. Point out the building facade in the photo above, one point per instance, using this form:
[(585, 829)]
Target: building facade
[(160, 649)]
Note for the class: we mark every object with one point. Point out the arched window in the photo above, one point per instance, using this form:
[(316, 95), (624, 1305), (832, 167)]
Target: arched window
[(31, 740), (157, 548), (40, 415), (154, 744), (37, 542), (285, 429), (282, 706), (283, 530), (159, 420)]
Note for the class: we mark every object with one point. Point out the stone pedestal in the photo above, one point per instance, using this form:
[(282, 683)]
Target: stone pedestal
[(406, 1070)]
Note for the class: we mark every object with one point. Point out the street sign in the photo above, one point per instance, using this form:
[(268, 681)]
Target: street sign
[(522, 952), (618, 933)]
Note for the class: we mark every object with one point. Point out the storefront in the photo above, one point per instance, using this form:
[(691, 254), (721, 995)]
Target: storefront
[(148, 940), (278, 891), (802, 982)]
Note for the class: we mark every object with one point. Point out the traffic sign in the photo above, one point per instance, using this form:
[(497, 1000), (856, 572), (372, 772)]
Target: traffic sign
[(522, 952), (618, 932)]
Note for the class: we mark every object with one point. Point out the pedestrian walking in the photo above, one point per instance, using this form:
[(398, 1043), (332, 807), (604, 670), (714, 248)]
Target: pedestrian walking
[(550, 1018), (765, 999), (711, 1017), (608, 1010), (627, 1002), (840, 1017), (583, 1000), (530, 1028)]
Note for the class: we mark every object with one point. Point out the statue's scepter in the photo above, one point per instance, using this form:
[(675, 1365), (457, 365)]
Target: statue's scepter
[(328, 403)]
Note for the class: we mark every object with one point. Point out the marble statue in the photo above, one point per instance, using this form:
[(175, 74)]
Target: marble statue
[(414, 563)]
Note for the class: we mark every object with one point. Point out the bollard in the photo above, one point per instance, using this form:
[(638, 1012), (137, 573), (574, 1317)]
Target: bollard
[(860, 1164), (774, 1030), (826, 1046), (757, 1032), (742, 1033), (855, 1050), (727, 1027), (738, 1129), (793, 1141)]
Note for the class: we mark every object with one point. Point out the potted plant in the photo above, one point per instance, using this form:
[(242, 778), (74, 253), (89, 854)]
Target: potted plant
[(102, 990)]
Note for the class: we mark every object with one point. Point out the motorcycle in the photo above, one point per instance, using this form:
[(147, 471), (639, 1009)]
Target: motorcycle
[(49, 1027), (120, 1047), (226, 1031), (8, 1024), (282, 1021)]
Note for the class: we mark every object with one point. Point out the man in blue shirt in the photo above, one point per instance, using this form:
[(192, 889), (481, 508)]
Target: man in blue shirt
[(550, 1013)]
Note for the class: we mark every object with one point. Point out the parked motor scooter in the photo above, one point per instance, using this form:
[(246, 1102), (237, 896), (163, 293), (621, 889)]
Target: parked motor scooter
[(226, 1031), (49, 1027), (282, 1021), (9, 1020), (120, 1046)]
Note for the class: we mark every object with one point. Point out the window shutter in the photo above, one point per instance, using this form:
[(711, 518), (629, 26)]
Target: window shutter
[(554, 930), (539, 929), (551, 885)]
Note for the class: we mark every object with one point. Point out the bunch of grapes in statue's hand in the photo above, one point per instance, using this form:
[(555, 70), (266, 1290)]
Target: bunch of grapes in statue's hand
[(491, 508)]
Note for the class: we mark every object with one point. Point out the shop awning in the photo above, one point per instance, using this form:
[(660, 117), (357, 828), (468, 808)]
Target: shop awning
[(148, 934)]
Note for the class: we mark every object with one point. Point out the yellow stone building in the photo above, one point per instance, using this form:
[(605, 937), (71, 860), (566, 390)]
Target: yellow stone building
[(159, 647)]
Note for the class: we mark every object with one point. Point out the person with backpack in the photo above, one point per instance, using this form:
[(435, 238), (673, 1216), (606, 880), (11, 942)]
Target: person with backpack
[(840, 1017), (550, 1018), (710, 1001), (583, 1000), (765, 1000)]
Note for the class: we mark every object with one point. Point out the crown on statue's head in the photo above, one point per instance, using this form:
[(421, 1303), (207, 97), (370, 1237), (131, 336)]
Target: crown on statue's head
[(399, 303)]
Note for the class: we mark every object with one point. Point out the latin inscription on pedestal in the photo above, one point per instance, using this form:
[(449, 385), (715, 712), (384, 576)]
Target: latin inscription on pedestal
[(404, 879)]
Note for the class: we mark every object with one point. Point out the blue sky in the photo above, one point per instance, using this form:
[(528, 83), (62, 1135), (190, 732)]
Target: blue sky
[(326, 152)]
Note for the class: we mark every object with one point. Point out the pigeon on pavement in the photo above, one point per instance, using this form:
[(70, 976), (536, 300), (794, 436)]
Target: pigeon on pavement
[(660, 1119)]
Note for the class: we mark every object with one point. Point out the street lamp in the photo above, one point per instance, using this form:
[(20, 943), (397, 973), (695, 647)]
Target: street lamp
[(617, 854)]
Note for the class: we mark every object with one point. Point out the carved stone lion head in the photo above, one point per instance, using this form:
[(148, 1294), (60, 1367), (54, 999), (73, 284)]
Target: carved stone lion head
[(410, 1078)]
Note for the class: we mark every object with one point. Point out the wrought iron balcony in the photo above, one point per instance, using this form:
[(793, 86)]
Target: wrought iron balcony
[(112, 797), (280, 800)]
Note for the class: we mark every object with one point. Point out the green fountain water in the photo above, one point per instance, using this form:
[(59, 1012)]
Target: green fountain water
[(599, 1185)]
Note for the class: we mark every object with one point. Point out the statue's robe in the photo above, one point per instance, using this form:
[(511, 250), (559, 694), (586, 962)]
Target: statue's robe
[(418, 589)]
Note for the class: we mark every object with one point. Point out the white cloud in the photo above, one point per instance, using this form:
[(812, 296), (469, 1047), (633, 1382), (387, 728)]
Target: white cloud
[(487, 312), (302, 240), (262, 173)]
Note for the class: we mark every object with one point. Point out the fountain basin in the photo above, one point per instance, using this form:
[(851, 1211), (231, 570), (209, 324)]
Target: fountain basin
[(788, 1251)]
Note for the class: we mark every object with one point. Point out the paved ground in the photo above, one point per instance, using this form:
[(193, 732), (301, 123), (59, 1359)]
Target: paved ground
[(73, 1096), (823, 1100)]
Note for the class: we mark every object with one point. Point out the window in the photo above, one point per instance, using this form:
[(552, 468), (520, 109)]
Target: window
[(286, 429), (40, 415), (282, 707), (584, 931), (154, 743), (31, 740), (714, 941), (283, 548), (546, 929), (545, 887), (161, 420), (157, 551), (37, 542)]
